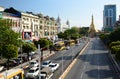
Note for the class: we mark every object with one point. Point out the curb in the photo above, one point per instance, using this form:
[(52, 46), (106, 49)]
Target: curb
[(117, 68)]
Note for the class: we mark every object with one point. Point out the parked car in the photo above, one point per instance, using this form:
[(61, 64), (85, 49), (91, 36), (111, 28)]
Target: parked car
[(18, 60), (33, 64), (46, 63), (24, 58), (68, 47), (1, 68), (46, 73), (13, 63), (32, 73), (54, 66)]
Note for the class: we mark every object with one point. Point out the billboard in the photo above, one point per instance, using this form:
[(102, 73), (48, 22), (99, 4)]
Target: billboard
[(26, 35)]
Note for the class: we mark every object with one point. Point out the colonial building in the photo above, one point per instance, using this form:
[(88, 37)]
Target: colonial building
[(11, 18), (1, 8), (31, 26), (92, 29), (62, 26)]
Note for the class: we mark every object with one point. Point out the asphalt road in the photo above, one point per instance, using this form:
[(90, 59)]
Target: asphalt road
[(64, 58), (94, 63)]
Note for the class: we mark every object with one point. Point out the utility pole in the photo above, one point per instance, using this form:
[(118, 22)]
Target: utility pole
[(39, 52), (21, 55)]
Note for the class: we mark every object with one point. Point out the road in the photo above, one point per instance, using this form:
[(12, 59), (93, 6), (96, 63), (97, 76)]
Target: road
[(64, 58), (94, 63)]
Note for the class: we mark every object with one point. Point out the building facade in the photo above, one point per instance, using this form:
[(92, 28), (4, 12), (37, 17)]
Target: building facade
[(109, 17), (38, 26), (62, 26), (31, 26), (11, 18)]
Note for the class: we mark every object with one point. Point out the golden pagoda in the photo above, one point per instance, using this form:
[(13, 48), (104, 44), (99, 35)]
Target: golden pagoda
[(92, 29)]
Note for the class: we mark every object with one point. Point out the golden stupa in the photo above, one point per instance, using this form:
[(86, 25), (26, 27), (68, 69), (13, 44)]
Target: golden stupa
[(92, 29)]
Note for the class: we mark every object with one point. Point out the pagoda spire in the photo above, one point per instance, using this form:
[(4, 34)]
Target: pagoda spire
[(92, 20), (92, 30)]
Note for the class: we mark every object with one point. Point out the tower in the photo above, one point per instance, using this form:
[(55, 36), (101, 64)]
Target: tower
[(92, 30), (59, 24)]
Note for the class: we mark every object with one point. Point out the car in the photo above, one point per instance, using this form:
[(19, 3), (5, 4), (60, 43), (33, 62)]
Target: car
[(32, 73), (33, 64), (24, 58), (13, 63), (1, 68), (46, 63), (68, 47), (54, 66), (18, 60), (77, 44)]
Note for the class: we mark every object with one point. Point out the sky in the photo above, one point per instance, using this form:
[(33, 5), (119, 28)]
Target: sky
[(78, 12)]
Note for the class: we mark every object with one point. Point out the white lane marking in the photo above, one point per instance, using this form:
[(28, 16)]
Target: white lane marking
[(98, 68), (85, 65)]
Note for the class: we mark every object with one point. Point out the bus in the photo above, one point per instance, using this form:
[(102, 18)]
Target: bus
[(71, 42), (59, 45), (16, 73)]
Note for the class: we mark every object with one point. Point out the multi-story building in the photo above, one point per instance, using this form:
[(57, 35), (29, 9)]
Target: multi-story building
[(29, 26), (1, 8), (38, 26), (13, 19), (109, 17), (62, 26)]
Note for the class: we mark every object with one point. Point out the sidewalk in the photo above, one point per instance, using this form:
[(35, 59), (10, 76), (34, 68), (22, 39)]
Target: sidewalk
[(46, 54)]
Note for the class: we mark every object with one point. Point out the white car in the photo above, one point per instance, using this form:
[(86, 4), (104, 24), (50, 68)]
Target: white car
[(33, 72), (68, 47), (54, 66), (33, 64), (1, 68), (46, 63)]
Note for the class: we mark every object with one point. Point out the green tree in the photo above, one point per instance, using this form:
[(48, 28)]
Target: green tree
[(7, 36), (44, 44), (115, 35), (10, 51), (28, 47)]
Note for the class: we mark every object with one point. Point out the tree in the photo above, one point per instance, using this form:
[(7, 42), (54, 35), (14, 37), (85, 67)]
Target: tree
[(44, 44), (28, 47), (10, 51), (7, 36), (115, 35)]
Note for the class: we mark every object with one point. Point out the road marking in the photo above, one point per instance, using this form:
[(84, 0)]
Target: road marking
[(85, 65), (74, 61), (98, 68)]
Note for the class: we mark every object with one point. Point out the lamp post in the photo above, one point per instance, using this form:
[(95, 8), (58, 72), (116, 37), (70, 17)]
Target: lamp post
[(21, 55), (39, 61), (62, 62)]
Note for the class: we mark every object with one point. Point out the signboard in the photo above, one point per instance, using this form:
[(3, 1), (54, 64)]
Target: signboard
[(26, 35), (0, 15)]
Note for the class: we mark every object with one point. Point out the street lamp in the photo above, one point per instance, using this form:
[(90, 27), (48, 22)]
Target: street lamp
[(62, 62), (39, 61)]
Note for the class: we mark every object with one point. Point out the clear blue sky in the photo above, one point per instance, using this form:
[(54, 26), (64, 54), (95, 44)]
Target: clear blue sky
[(78, 12)]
